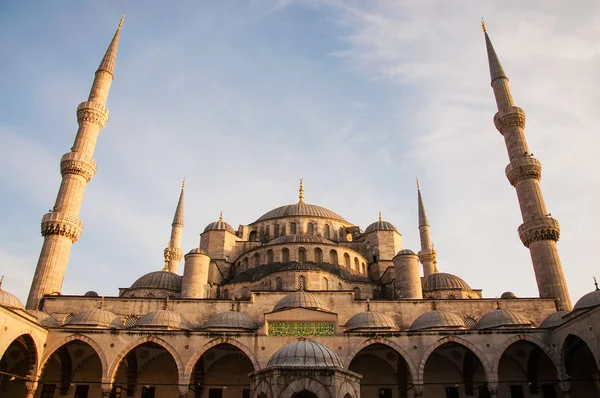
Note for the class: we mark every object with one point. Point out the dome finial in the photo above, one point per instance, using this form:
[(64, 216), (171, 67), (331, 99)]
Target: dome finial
[(418, 186), (2, 279), (183, 183), (368, 304), (380, 219), (483, 25), (221, 217), (595, 283), (101, 302), (301, 191), (121, 21)]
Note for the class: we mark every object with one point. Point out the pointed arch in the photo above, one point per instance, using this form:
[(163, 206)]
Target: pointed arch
[(562, 345), (114, 365), (95, 346), (30, 353), (386, 342), (306, 383), (419, 379), (346, 390), (189, 367)]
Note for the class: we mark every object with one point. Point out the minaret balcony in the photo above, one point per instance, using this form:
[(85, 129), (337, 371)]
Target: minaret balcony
[(522, 168), (543, 228), (92, 112), (76, 163), (514, 117), (55, 223)]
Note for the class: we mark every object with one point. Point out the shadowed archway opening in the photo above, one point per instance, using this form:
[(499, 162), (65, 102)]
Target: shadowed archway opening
[(525, 370), (222, 371), (17, 363), (384, 371), (580, 366), (305, 394), (148, 370), (73, 369), (451, 371)]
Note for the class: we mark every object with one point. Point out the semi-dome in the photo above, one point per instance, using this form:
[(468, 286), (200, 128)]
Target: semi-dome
[(44, 319), (438, 319), (231, 320), (380, 225), (554, 319), (304, 354), (301, 299), (98, 317), (503, 319), (9, 300), (370, 320), (508, 295), (162, 319), (158, 280), (219, 225), (300, 238), (443, 281), (300, 209), (589, 300)]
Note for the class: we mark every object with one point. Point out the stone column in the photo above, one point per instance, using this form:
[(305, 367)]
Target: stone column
[(195, 274), (408, 276), (417, 390), (30, 389), (565, 387), (493, 389)]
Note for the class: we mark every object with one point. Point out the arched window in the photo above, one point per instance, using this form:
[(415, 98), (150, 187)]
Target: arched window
[(252, 237), (340, 286), (285, 255), (318, 255), (324, 284), (131, 321), (327, 231), (278, 284), (225, 294), (341, 234), (364, 268), (301, 282), (276, 230), (261, 233), (244, 264), (256, 259), (333, 257), (347, 260), (268, 232), (356, 264), (245, 293), (301, 255), (270, 257), (292, 228), (311, 228), (451, 296), (356, 293)]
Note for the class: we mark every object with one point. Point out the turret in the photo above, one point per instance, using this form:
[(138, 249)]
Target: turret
[(408, 275), (427, 254), (173, 252), (195, 274), (61, 227), (539, 231)]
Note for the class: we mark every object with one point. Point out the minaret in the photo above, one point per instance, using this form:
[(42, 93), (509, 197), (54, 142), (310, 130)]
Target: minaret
[(173, 252), (539, 231), (61, 227), (427, 254)]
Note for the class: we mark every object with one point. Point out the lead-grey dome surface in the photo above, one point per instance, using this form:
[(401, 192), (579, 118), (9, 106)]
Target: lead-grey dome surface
[(165, 319), (159, 280), (44, 319), (553, 319), (219, 226), (230, 320), (508, 295), (98, 317), (442, 281), (503, 319), (380, 225), (300, 238), (301, 299), (300, 209), (371, 320), (438, 319), (10, 300), (305, 354), (589, 300)]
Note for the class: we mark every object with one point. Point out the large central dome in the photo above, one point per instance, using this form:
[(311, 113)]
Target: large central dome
[(300, 209)]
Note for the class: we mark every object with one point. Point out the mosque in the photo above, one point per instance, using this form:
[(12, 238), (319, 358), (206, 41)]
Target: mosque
[(300, 303)]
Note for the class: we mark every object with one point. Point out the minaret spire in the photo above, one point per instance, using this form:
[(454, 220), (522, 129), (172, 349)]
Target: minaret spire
[(61, 227), (427, 254), (539, 231), (173, 253)]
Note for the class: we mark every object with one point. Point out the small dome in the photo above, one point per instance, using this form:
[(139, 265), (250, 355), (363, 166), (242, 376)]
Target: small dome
[(9, 300), (91, 293), (503, 319), (589, 300), (158, 280), (300, 238), (442, 281), (197, 250), (44, 319), (301, 299), (508, 295), (300, 209), (98, 317), (162, 319), (553, 319), (380, 226), (370, 320), (305, 354), (219, 226), (231, 320), (438, 319), (405, 252)]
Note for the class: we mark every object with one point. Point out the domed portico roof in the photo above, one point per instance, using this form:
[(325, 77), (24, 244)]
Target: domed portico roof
[(370, 320), (443, 281), (438, 319), (553, 319), (158, 280), (589, 300), (301, 299), (163, 319), (503, 319), (300, 210), (44, 319), (305, 354), (98, 318), (230, 320), (8, 299)]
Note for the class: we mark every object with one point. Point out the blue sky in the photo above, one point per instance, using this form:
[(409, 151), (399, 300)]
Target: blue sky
[(244, 98)]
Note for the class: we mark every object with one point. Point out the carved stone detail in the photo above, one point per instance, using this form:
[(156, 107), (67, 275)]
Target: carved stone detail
[(515, 117), (173, 254), (94, 112), (55, 223), (76, 163), (545, 228), (427, 257), (522, 168)]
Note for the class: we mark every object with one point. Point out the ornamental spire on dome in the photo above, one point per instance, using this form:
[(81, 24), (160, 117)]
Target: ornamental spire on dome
[(496, 70), (221, 217), (595, 283), (380, 219), (301, 191), (110, 57)]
